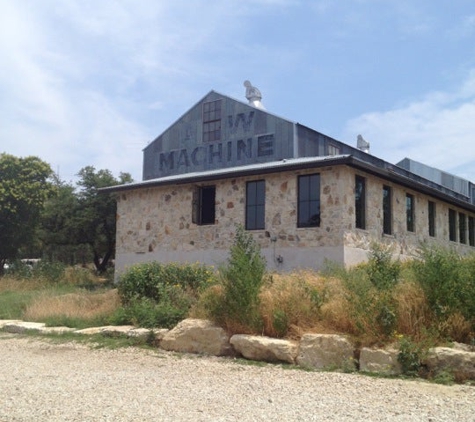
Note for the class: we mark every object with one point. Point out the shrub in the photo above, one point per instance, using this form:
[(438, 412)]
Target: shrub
[(366, 305), (382, 271), (241, 279), (147, 280), (448, 282), (410, 356), (147, 313), (155, 294), (18, 269), (53, 271)]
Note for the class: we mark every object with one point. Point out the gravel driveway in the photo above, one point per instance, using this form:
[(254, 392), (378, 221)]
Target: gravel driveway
[(40, 381)]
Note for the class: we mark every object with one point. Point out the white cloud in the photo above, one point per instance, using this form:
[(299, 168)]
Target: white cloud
[(437, 130)]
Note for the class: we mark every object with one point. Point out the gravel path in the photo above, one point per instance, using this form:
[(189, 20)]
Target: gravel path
[(41, 381)]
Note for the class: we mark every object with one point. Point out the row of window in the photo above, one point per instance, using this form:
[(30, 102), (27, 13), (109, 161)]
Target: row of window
[(360, 207), (308, 213), (308, 208), (462, 228)]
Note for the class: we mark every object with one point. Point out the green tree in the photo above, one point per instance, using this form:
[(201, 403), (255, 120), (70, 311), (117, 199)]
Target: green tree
[(242, 279), (25, 184), (57, 229), (83, 218)]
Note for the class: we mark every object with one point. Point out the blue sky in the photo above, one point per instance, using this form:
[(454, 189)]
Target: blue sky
[(93, 82)]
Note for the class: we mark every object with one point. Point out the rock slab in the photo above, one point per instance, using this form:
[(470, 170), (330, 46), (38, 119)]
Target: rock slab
[(265, 348), (325, 351), (381, 361), (451, 360), (197, 336)]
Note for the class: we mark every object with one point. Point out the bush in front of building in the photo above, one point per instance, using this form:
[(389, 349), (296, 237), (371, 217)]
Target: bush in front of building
[(234, 303), (160, 295), (448, 282)]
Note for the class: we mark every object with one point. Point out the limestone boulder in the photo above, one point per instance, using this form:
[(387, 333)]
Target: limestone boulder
[(55, 330), (4, 322), (452, 360), (89, 331), (116, 330), (22, 326), (325, 351), (197, 336), (464, 347), (380, 361), (265, 348)]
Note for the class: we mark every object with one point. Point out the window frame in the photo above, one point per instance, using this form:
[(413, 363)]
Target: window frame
[(333, 149), (410, 213), (255, 204), (204, 205), (452, 225), (360, 202), (387, 210), (432, 212), (471, 230), (462, 228), (211, 114), (308, 197)]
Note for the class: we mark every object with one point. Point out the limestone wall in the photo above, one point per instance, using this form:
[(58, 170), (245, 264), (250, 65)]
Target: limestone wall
[(155, 222), (404, 243)]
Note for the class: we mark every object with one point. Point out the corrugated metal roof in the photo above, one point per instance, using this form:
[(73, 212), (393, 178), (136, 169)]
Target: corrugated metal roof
[(230, 172)]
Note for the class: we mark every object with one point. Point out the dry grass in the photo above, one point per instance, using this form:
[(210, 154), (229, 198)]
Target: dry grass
[(13, 284), (295, 303), (457, 328), (81, 276), (82, 305), (412, 310)]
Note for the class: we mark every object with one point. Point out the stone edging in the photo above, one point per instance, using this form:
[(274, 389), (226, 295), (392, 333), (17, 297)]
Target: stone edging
[(314, 351)]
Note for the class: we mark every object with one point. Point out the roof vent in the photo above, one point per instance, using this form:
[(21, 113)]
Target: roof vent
[(253, 95), (362, 144)]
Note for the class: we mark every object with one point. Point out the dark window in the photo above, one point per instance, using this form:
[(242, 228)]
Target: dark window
[(452, 226), (212, 121), (204, 205), (471, 231), (431, 211), (255, 205), (410, 212), (387, 211), (462, 228), (309, 201), (360, 202)]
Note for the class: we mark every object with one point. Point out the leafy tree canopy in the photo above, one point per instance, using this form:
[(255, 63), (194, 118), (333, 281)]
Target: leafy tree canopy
[(84, 216), (25, 185)]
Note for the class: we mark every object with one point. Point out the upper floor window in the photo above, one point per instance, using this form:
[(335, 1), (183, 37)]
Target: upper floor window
[(360, 202), (431, 214), (204, 205), (212, 121), (410, 212), (333, 149), (255, 205), (452, 225), (462, 228), (309, 201), (387, 210)]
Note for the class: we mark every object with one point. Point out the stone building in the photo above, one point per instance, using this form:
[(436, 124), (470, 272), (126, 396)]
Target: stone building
[(304, 196)]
